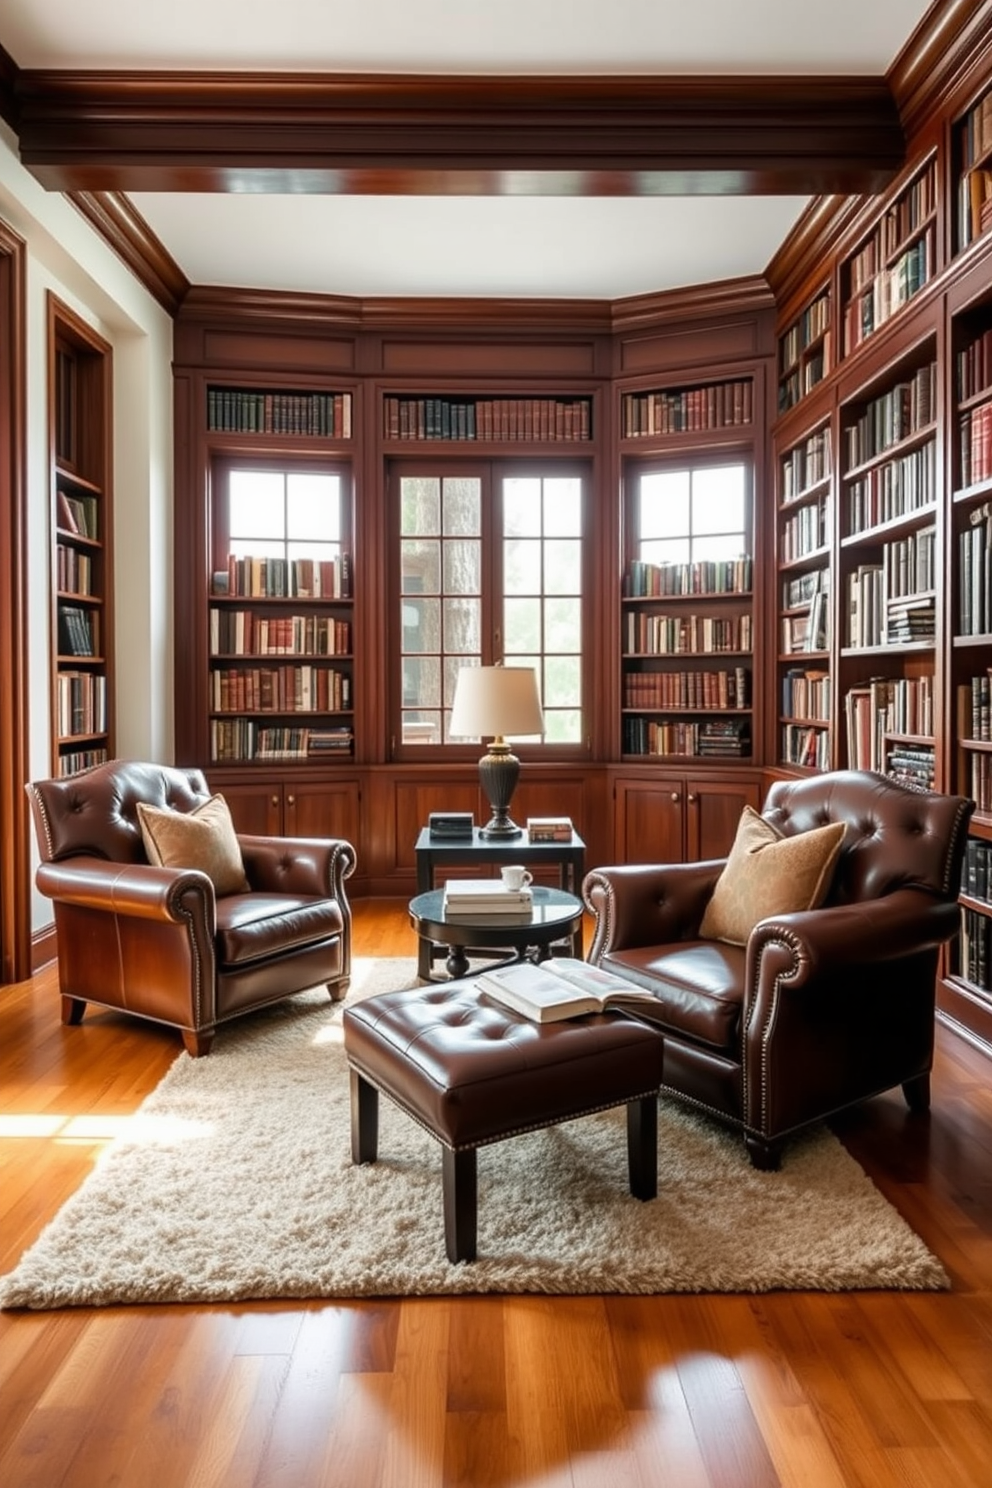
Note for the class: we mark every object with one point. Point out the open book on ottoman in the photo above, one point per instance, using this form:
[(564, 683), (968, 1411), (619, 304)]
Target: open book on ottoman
[(562, 987)]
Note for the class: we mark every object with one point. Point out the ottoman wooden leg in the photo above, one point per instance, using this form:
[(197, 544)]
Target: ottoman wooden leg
[(364, 1120), (460, 1191), (642, 1146)]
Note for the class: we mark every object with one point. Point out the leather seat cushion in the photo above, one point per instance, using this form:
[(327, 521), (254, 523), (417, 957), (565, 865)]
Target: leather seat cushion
[(699, 985), (253, 926)]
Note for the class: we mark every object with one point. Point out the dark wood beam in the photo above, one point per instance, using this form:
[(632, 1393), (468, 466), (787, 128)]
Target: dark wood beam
[(406, 134)]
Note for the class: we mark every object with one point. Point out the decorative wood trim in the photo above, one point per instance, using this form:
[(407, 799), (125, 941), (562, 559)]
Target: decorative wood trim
[(128, 234), (721, 297), (15, 877), (355, 133), (950, 40)]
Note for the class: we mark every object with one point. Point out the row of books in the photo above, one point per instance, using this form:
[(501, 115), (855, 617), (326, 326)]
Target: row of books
[(974, 205), (975, 444), (975, 574), (541, 420), (694, 690), (78, 631), (883, 707), (802, 744), (976, 870), (889, 291), (893, 416), (241, 411), (728, 738), (809, 631), (975, 708), (244, 633), (801, 589), (810, 326), (675, 635), (979, 784), (79, 515), (975, 948), (912, 209), (80, 703), (718, 405), (73, 570), (900, 486), (285, 578), (973, 367), (284, 689), (71, 761), (806, 694), (645, 580), (803, 379), (239, 740), (806, 531), (806, 465)]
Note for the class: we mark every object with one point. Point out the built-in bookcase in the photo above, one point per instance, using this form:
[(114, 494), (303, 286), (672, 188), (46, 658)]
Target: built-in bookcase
[(80, 404), (972, 165), (894, 261), (656, 413), (463, 418)]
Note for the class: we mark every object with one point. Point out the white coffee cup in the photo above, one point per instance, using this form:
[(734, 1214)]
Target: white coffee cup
[(516, 877)]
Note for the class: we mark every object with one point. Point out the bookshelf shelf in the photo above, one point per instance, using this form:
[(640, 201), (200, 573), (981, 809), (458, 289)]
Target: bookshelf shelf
[(805, 351), (413, 418), (896, 259)]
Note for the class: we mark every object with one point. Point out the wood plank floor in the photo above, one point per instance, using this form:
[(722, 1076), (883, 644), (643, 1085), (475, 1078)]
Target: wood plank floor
[(857, 1390)]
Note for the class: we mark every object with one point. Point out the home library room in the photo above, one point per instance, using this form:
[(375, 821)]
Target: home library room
[(80, 397)]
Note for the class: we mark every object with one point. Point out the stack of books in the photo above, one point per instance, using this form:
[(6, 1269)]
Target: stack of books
[(549, 828), (472, 897)]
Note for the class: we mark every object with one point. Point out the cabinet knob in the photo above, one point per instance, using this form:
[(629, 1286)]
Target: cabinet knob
[(290, 800), (691, 798), (675, 795), (275, 800)]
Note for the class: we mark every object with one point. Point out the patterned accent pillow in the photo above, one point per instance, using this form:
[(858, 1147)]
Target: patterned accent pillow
[(769, 874), (203, 838)]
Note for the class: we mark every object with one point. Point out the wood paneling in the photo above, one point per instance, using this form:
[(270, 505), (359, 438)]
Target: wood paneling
[(488, 359)]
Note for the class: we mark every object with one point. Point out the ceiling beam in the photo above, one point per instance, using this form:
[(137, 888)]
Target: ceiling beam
[(407, 134)]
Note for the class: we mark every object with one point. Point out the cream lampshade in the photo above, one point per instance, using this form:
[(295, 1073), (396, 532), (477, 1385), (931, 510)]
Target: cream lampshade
[(497, 700)]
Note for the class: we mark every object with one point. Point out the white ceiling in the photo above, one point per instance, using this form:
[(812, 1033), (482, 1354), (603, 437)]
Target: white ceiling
[(519, 245)]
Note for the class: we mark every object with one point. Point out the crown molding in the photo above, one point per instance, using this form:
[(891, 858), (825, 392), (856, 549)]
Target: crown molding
[(723, 297), (409, 134), (128, 234), (949, 41)]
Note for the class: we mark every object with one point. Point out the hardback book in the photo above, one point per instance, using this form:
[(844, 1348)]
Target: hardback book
[(562, 987), (486, 896), (549, 828)]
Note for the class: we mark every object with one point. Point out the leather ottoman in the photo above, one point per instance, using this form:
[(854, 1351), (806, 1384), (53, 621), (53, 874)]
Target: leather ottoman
[(472, 1072)]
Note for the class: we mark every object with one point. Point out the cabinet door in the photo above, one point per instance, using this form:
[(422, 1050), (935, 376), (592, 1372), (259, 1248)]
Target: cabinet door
[(649, 821), (713, 809), (256, 806), (322, 809)]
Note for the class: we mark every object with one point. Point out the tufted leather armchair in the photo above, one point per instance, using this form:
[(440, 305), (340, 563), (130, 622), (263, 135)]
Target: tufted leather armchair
[(158, 941), (822, 1009)]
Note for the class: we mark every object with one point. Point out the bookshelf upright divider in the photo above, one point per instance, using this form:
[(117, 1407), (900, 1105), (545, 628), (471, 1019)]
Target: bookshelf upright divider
[(82, 524)]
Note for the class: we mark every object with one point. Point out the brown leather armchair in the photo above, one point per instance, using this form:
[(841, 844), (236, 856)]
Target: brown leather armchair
[(159, 942), (820, 1009)]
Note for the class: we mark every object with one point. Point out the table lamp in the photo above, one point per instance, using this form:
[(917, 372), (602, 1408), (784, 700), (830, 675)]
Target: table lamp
[(497, 700)]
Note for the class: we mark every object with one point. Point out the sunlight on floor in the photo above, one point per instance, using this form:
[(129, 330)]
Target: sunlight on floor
[(138, 1128)]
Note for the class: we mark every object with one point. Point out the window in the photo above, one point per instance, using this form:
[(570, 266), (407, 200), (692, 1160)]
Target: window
[(269, 512), (695, 514), (491, 567)]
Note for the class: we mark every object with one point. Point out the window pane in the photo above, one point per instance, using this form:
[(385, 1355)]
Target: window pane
[(674, 551), (664, 504), (463, 567), (462, 506), (421, 727), (253, 547), (313, 507), (521, 507), (563, 507), (521, 566), (421, 625), (562, 625), (317, 551), (718, 499), (462, 625), (563, 727), (257, 504), (716, 549), (422, 681), (563, 567), (521, 625), (420, 505), (421, 567), (562, 681)]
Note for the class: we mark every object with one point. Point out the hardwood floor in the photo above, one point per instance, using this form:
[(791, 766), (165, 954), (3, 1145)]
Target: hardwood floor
[(853, 1390)]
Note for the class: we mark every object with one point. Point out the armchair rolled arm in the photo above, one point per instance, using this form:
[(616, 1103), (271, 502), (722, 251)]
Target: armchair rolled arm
[(137, 889), (825, 941), (636, 904), (298, 865)]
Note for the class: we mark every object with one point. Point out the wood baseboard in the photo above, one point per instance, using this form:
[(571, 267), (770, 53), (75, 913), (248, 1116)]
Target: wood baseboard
[(967, 1012)]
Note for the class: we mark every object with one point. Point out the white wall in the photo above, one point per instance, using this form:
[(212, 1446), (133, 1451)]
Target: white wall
[(65, 255)]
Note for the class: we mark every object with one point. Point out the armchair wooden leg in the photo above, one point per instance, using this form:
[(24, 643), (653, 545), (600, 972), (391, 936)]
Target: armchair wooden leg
[(338, 991), (73, 1009), (765, 1156), (198, 1042), (917, 1092)]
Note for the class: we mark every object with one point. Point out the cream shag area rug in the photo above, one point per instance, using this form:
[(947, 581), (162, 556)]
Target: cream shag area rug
[(236, 1182)]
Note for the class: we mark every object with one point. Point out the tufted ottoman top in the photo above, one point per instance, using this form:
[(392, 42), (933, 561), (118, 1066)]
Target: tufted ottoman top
[(473, 1072)]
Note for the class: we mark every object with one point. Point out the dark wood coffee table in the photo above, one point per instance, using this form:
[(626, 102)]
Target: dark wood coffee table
[(555, 915)]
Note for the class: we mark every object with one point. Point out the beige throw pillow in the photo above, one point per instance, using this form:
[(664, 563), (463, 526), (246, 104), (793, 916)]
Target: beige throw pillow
[(203, 838), (769, 874)]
